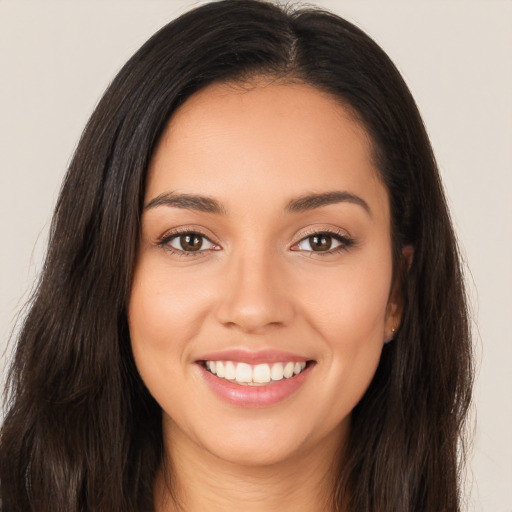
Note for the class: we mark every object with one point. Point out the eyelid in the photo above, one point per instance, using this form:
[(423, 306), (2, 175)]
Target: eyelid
[(163, 240), (316, 230), (345, 239), (204, 240), (334, 238)]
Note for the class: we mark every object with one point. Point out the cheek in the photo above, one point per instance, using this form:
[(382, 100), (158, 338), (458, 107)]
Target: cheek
[(349, 303), (348, 311), (163, 314), (353, 347)]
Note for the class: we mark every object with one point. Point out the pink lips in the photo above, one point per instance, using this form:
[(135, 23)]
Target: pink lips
[(253, 396)]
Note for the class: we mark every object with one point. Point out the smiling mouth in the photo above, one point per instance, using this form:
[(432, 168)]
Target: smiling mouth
[(255, 375)]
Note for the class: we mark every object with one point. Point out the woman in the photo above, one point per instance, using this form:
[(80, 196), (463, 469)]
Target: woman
[(252, 295)]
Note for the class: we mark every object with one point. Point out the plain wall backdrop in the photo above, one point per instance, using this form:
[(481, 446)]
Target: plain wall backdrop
[(57, 57)]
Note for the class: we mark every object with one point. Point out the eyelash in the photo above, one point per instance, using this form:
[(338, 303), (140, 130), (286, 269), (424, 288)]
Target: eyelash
[(164, 242), (345, 241)]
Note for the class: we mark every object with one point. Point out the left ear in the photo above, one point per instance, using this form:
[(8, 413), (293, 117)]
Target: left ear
[(394, 308)]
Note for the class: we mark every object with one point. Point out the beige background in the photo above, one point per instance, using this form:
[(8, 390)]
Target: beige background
[(57, 57)]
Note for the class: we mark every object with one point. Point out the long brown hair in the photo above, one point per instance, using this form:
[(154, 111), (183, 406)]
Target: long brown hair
[(81, 432)]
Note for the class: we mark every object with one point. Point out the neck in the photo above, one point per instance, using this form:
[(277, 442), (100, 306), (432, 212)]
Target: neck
[(201, 481)]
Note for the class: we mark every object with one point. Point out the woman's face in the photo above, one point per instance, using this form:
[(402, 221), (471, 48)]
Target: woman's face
[(265, 258)]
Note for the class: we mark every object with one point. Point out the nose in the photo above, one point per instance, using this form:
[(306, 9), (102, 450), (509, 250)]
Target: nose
[(254, 295)]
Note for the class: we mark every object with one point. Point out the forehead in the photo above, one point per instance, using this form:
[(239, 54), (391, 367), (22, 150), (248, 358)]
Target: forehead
[(269, 139)]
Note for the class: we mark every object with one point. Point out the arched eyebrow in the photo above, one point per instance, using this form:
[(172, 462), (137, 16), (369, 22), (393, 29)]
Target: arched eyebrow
[(312, 201), (298, 205), (188, 202)]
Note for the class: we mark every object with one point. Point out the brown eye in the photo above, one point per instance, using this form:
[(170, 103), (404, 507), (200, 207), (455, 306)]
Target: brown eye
[(190, 242), (323, 242), (320, 242)]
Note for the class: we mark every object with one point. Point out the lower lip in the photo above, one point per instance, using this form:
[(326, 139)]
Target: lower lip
[(254, 396)]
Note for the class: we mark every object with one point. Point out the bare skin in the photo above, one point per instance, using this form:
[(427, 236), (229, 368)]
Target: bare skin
[(302, 483), (256, 269)]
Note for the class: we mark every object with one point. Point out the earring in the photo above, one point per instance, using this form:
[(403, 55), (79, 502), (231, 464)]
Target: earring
[(393, 330)]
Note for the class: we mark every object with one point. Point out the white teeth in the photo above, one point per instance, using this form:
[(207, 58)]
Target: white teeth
[(288, 370), (277, 372), (220, 369), (230, 370), (243, 372), (259, 374)]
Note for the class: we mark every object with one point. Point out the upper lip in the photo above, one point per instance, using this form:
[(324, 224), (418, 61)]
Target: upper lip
[(253, 357)]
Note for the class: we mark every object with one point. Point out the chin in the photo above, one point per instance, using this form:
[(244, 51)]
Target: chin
[(252, 454), (271, 442)]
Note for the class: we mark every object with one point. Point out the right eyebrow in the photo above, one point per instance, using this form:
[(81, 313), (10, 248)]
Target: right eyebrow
[(188, 201)]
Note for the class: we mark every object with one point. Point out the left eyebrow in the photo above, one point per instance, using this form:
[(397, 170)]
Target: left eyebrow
[(187, 201), (312, 201)]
